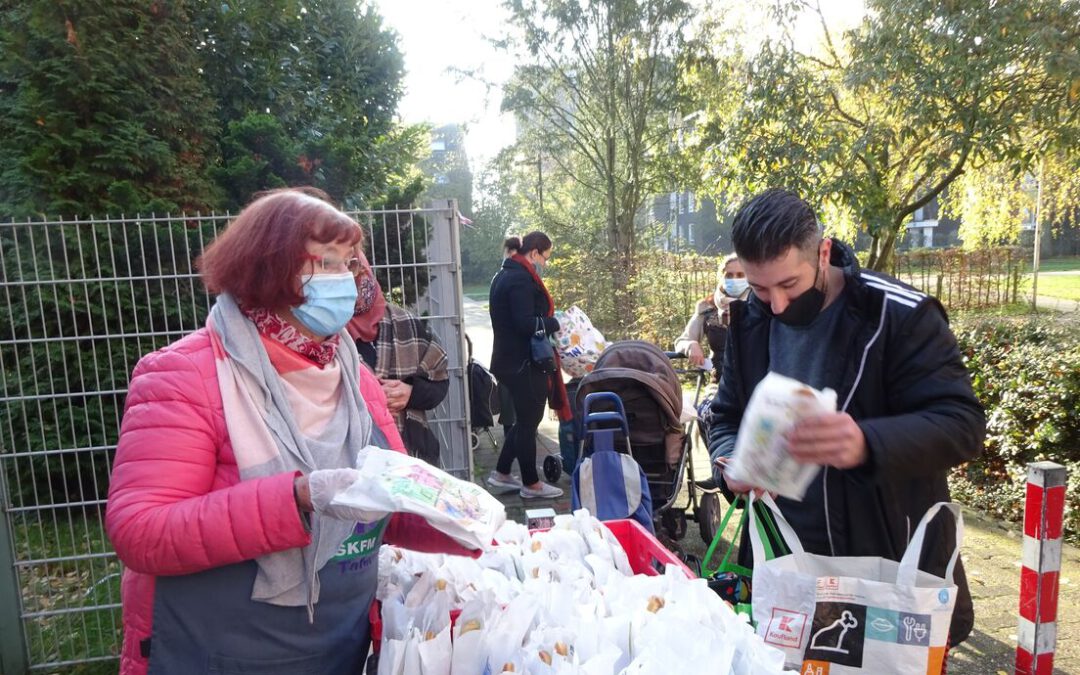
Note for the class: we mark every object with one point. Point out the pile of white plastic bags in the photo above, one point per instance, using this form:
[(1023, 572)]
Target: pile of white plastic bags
[(560, 602)]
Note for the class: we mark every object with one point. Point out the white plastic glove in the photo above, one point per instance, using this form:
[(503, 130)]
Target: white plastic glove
[(325, 484)]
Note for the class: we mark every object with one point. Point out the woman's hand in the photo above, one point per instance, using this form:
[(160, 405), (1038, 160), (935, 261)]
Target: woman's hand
[(695, 355), (397, 393), (325, 484), (302, 494)]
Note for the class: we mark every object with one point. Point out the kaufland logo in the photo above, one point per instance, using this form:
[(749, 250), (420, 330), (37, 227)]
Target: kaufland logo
[(785, 628)]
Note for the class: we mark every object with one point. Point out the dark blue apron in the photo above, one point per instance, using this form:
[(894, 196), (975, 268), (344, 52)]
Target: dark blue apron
[(208, 623)]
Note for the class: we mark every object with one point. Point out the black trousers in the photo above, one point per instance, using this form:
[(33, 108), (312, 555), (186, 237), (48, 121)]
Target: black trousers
[(528, 391)]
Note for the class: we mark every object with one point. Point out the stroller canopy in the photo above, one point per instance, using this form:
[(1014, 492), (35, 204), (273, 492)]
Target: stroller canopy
[(629, 368)]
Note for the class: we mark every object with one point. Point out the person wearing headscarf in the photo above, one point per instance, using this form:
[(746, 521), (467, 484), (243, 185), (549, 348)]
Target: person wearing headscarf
[(409, 362), (709, 324), (233, 442)]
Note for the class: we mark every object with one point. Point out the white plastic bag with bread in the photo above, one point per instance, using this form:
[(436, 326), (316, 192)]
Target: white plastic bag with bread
[(469, 654), (761, 455)]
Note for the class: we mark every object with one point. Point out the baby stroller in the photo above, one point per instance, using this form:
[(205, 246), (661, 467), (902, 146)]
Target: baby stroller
[(484, 402), (641, 375)]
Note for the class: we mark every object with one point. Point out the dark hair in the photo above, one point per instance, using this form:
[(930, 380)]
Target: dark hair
[(535, 241), (259, 256), (770, 223), (512, 245)]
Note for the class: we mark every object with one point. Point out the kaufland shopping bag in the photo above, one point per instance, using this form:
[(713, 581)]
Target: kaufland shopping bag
[(836, 616)]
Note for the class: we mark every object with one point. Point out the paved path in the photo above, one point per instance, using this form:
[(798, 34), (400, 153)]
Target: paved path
[(1063, 305), (991, 552)]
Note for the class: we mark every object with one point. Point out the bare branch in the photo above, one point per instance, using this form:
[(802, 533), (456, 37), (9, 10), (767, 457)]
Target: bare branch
[(843, 113), (905, 211)]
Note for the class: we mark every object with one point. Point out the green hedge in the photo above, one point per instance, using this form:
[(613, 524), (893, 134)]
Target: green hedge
[(86, 301), (664, 287), (1026, 371)]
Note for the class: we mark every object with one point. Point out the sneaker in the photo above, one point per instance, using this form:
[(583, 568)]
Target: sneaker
[(500, 485), (544, 492)]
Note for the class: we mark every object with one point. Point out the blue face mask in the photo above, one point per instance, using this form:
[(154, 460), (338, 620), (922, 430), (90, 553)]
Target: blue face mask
[(328, 304), (735, 287)]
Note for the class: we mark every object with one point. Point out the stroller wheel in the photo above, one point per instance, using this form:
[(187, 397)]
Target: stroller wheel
[(552, 468), (674, 523), (474, 440), (708, 515)]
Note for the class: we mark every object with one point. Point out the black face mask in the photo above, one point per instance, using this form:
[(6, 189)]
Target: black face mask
[(801, 311)]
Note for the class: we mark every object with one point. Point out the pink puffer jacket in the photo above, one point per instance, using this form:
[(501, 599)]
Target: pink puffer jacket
[(176, 503)]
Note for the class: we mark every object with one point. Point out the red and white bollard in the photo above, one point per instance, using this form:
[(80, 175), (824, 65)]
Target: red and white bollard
[(1043, 513)]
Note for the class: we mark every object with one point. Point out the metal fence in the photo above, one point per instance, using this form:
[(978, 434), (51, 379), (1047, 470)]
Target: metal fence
[(85, 299)]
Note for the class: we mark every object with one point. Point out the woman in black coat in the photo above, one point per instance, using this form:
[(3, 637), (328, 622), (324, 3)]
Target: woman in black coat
[(520, 305)]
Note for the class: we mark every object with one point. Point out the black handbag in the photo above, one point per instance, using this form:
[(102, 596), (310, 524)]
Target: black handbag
[(540, 351)]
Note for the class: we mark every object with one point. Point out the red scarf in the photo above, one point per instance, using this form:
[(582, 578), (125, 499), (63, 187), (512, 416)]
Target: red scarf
[(274, 327), (557, 397), (370, 305)]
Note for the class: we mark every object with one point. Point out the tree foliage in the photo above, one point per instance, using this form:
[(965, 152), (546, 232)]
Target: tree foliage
[(102, 109), (121, 106), (595, 85), (447, 165), (495, 214), (993, 201), (327, 72), (878, 121)]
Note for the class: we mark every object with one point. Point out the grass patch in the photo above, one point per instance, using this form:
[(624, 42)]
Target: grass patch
[(1067, 286), (1065, 264), (77, 601), (1002, 311), (478, 292)]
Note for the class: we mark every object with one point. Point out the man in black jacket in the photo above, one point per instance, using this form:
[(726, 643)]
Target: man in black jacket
[(907, 412)]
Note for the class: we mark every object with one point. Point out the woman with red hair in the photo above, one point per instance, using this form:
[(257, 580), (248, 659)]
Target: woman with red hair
[(234, 440)]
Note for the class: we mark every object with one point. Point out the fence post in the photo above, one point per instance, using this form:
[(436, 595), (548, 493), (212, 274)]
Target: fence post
[(446, 295), (13, 656), (1044, 510)]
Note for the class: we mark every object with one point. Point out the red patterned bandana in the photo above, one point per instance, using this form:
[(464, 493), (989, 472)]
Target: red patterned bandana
[(274, 327)]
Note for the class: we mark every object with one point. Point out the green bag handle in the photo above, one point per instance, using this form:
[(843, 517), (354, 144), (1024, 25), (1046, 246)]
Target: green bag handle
[(769, 534), (725, 563)]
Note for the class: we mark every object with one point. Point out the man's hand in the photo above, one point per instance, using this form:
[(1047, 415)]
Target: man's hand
[(829, 440), (695, 355), (397, 394), (738, 487)]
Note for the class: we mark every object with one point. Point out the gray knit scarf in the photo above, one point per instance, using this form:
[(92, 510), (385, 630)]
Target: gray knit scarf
[(252, 393)]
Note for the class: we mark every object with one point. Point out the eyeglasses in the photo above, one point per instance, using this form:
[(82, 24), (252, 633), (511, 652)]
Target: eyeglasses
[(326, 264)]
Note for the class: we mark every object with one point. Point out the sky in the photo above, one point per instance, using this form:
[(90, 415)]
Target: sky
[(437, 35)]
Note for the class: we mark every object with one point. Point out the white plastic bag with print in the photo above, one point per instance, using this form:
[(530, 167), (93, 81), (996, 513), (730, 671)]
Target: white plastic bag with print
[(395, 482), (761, 455), (578, 341), (848, 615)]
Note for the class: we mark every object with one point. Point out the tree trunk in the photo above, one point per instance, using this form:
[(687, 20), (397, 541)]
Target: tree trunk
[(871, 259), (620, 239), (883, 263)]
